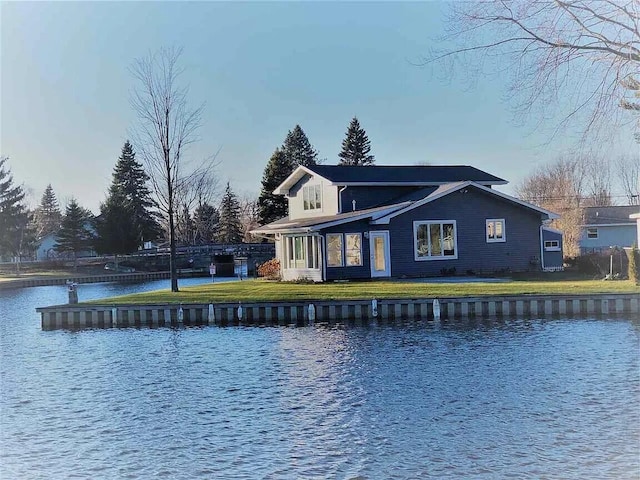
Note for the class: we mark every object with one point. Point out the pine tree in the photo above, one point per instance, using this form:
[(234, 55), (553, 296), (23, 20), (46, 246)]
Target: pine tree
[(205, 219), (229, 228), (273, 207), (47, 216), (298, 150), (116, 231), (356, 146), (75, 235), (130, 179), (634, 264), (185, 228), (15, 235)]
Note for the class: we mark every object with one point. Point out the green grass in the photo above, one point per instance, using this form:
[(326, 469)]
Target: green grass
[(258, 290)]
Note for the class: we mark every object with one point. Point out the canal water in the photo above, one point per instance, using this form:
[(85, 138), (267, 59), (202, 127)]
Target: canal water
[(484, 399)]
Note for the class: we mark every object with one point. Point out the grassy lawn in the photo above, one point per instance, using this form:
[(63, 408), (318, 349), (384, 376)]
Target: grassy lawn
[(258, 290)]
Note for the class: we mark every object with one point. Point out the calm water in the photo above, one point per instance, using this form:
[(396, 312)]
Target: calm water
[(486, 399)]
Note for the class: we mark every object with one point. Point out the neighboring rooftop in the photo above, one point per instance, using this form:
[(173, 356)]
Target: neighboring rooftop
[(615, 214), (415, 175)]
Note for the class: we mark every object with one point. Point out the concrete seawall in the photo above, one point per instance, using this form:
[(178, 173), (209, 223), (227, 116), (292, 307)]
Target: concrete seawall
[(357, 311), (110, 277)]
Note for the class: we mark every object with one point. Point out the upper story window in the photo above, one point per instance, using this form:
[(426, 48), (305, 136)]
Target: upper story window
[(312, 197), (495, 230), (435, 240), (592, 232)]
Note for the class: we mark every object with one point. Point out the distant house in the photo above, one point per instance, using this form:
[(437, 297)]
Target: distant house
[(636, 217), (349, 222), (45, 250), (606, 227)]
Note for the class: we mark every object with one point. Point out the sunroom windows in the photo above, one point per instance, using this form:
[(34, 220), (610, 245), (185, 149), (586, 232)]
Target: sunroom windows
[(435, 240), (301, 252)]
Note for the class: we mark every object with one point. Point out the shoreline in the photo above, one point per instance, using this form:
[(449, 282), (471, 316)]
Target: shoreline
[(305, 313)]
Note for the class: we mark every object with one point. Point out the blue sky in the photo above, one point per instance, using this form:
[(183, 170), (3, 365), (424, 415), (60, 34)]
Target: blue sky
[(260, 69)]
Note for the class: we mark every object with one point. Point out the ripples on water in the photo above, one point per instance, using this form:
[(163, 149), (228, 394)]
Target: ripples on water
[(485, 399)]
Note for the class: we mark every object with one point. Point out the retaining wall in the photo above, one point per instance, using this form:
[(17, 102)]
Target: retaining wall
[(112, 277), (306, 313)]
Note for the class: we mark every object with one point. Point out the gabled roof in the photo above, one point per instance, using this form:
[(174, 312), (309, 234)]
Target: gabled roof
[(612, 215), (387, 175), (444, 190), (310, 224)]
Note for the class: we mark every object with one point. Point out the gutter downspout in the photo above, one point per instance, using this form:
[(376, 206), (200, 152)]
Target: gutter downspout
[(344, 187), (541, 248)]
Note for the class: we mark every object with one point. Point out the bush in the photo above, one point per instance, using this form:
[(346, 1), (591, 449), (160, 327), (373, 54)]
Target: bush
[(270, 269), (634, 264)]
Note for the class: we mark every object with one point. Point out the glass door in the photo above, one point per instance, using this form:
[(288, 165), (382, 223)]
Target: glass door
[(380, 254)]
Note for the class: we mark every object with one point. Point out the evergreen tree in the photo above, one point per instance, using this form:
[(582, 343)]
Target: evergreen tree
[(75, 234), (634, 264), (126, 218), (47, 216), (298, 150), (15, 234), (205, 219), (356, 146), (229, 228), (273, 207), (130, 179), (185, 229)]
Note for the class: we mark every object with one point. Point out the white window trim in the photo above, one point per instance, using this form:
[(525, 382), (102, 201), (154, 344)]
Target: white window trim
[(596, 235), (417, 223), (344, 244), (309, 189), (309, 256), (552, 248), (504, 230), (342, 259)]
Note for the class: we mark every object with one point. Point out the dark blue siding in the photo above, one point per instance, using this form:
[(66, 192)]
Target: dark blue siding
[(342, 273), (368, 197), (552, 259), (470, 210)]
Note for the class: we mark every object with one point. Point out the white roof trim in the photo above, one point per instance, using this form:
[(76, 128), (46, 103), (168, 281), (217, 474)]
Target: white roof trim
[(634, 215), (355, 218), (595, 225), (553, 230), (409, 184), (384, 220), (296, 175)]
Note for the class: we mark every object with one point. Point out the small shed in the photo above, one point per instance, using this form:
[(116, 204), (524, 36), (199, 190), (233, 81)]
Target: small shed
[(552, 258)]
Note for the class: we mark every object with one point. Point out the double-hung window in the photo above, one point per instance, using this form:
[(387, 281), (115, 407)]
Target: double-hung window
[(495, 230), (312, 197), (592, 232), (435, 240)]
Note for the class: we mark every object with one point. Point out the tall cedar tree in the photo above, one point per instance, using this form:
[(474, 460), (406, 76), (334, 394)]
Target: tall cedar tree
[(356, 146), (229, 228), (126, 218), (15, 235), (185, 228), (75, 234), (298, 150), (47, 216), (205, 219), (273, 207)]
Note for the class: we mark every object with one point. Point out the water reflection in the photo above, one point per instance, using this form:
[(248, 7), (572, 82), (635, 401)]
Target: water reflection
[(467, 399)]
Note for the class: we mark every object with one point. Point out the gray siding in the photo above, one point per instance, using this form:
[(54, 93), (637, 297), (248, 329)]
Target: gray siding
[(552, 259), (470, 210), (614, 235)]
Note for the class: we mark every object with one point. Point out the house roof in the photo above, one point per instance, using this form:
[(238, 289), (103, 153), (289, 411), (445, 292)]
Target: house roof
[(443, 190), (384, 175), (382, 215), (612, 215)]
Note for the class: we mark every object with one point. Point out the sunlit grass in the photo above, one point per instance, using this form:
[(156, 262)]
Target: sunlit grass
[(259, 291)]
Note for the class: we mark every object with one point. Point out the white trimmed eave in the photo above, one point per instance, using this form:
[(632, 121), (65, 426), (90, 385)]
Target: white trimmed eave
[(296, 175), (410, 184), (384, 220), (595, 225)]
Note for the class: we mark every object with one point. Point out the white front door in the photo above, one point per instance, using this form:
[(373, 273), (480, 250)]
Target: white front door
[(380, 257)]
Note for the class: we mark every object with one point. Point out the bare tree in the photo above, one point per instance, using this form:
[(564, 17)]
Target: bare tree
[(597, 176), (559, 187), (167, 126), (585, 52), (249, 215), (628, 173)]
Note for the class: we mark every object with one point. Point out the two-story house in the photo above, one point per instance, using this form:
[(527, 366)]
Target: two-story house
[(349, 222)]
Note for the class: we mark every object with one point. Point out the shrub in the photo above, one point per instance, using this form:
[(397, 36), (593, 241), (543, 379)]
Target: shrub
[(634, 264), (270, 269)]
